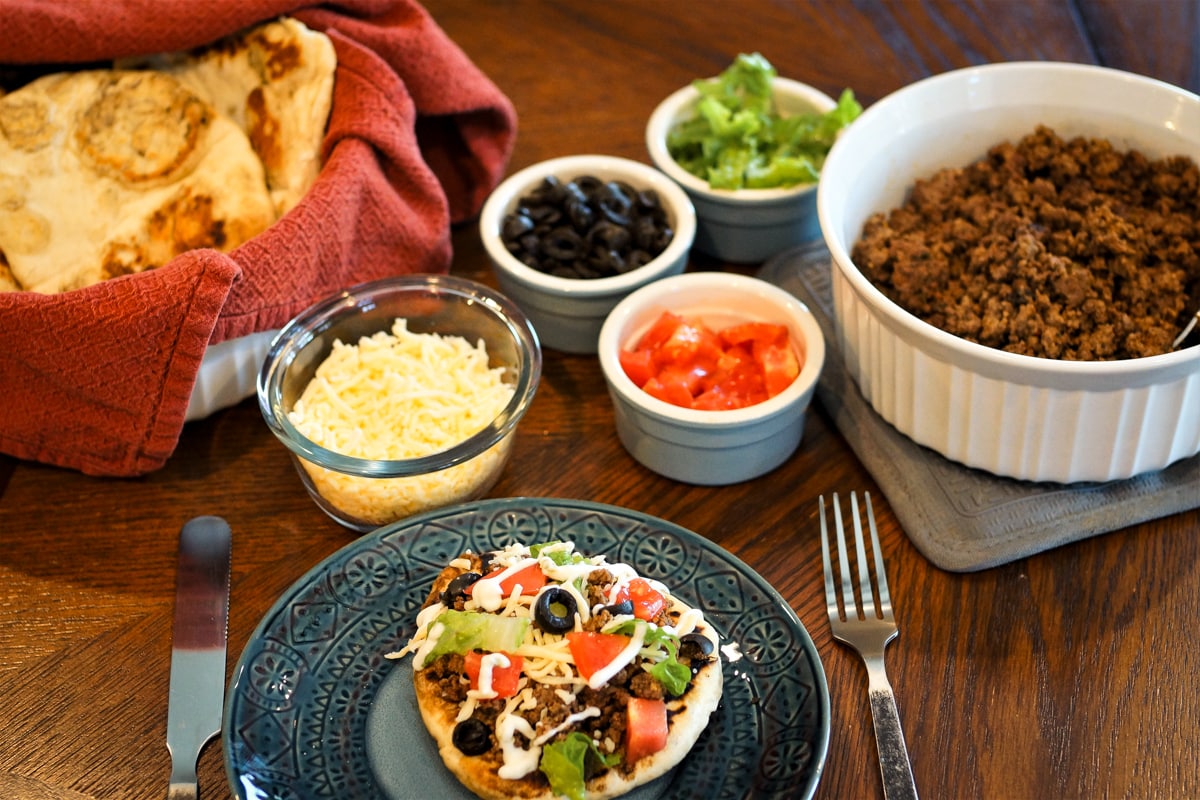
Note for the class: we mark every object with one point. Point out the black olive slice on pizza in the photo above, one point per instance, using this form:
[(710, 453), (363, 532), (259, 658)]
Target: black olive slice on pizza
[(544, 673)]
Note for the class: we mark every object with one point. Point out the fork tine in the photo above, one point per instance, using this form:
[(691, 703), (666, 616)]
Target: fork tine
[(847, 587), (831, 604), (864, 574), (885, 596)]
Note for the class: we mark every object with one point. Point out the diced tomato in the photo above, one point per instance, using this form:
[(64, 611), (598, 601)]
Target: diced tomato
[(638, 365), (645, 728), (779, 366), (505, 680), (690, 376), (648, 603), (691, 346), (683, 362), (593, 651), (531, 578), (717, 398), (738, 383), (670, 391), (751, 333), (660, 331)]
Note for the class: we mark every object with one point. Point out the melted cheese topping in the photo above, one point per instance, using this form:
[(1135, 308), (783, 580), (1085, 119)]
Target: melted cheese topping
[(402, 395)]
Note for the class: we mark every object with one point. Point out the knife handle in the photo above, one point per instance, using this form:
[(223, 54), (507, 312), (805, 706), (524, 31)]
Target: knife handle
[(181, 791)]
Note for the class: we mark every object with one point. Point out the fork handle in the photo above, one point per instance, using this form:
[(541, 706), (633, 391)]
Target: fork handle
[(893, 753)]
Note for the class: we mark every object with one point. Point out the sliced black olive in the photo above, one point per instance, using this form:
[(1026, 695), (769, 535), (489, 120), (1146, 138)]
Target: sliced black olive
[(555, 610), (472, 737), (515, 226), (647, 201), (698, 641), (588, 184), (485, 562), (560, 270), (591, 268), (581, 214), (621, 609), (563, 244), (609, 236), (458, 587), (549, 191), (618, 228), (529, 242), (665, 234), (615, 203), (573, 193), (544, 215), (605, 262), (637, 258)]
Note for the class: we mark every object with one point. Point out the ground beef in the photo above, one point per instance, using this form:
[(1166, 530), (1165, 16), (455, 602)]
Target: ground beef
[(646, 686), (448, 673), (597, 586), (1052, 248)]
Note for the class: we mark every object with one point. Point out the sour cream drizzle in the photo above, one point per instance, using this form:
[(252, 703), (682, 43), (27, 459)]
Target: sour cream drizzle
[(427, 646), (518, 762), (602, 676), (486, 591), (487, 664)]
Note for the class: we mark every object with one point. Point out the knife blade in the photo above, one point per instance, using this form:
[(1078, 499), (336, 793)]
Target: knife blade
[(197, 692)]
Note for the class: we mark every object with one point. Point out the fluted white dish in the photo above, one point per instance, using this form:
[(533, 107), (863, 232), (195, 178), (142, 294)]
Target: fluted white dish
[(228, 374), (1012, 415)]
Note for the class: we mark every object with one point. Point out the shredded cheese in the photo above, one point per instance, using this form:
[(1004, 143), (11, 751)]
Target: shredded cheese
[(402, 395)]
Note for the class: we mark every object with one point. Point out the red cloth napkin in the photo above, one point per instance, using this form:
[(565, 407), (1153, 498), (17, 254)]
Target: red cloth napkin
[(99, 379)]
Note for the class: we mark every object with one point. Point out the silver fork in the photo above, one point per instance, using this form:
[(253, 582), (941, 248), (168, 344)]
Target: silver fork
[(868, 629)]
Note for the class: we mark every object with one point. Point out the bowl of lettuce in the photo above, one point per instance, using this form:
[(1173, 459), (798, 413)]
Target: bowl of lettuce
[(747, 147)]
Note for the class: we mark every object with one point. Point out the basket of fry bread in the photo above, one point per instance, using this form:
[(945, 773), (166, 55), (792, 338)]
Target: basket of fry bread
[(174, 188)]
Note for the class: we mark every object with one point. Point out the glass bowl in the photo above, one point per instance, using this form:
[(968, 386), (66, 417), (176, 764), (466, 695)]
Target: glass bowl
[(365, 493)]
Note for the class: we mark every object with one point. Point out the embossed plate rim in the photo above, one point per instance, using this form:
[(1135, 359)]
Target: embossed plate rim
[(278, 712)]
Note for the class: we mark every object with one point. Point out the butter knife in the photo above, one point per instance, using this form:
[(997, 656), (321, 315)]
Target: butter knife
[(197, 693)]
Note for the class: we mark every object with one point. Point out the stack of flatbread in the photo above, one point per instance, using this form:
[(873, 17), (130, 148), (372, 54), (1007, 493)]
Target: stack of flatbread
[(112, 172)]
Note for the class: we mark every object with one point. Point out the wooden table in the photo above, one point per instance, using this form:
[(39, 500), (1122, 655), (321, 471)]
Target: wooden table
[(1073, 674)]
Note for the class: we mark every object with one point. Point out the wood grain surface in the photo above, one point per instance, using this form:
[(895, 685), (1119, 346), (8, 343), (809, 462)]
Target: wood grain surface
[(1072, 674)]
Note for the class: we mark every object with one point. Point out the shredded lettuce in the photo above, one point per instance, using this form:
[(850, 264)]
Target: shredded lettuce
[(565, 762), (465, 631), (560, 555), (662, 650), (738, 140)]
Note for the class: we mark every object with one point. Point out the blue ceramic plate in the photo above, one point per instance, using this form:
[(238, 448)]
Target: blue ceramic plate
[(316, 711)]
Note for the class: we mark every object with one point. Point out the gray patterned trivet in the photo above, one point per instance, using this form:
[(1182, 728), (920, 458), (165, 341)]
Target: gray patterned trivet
[(964, 519)]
